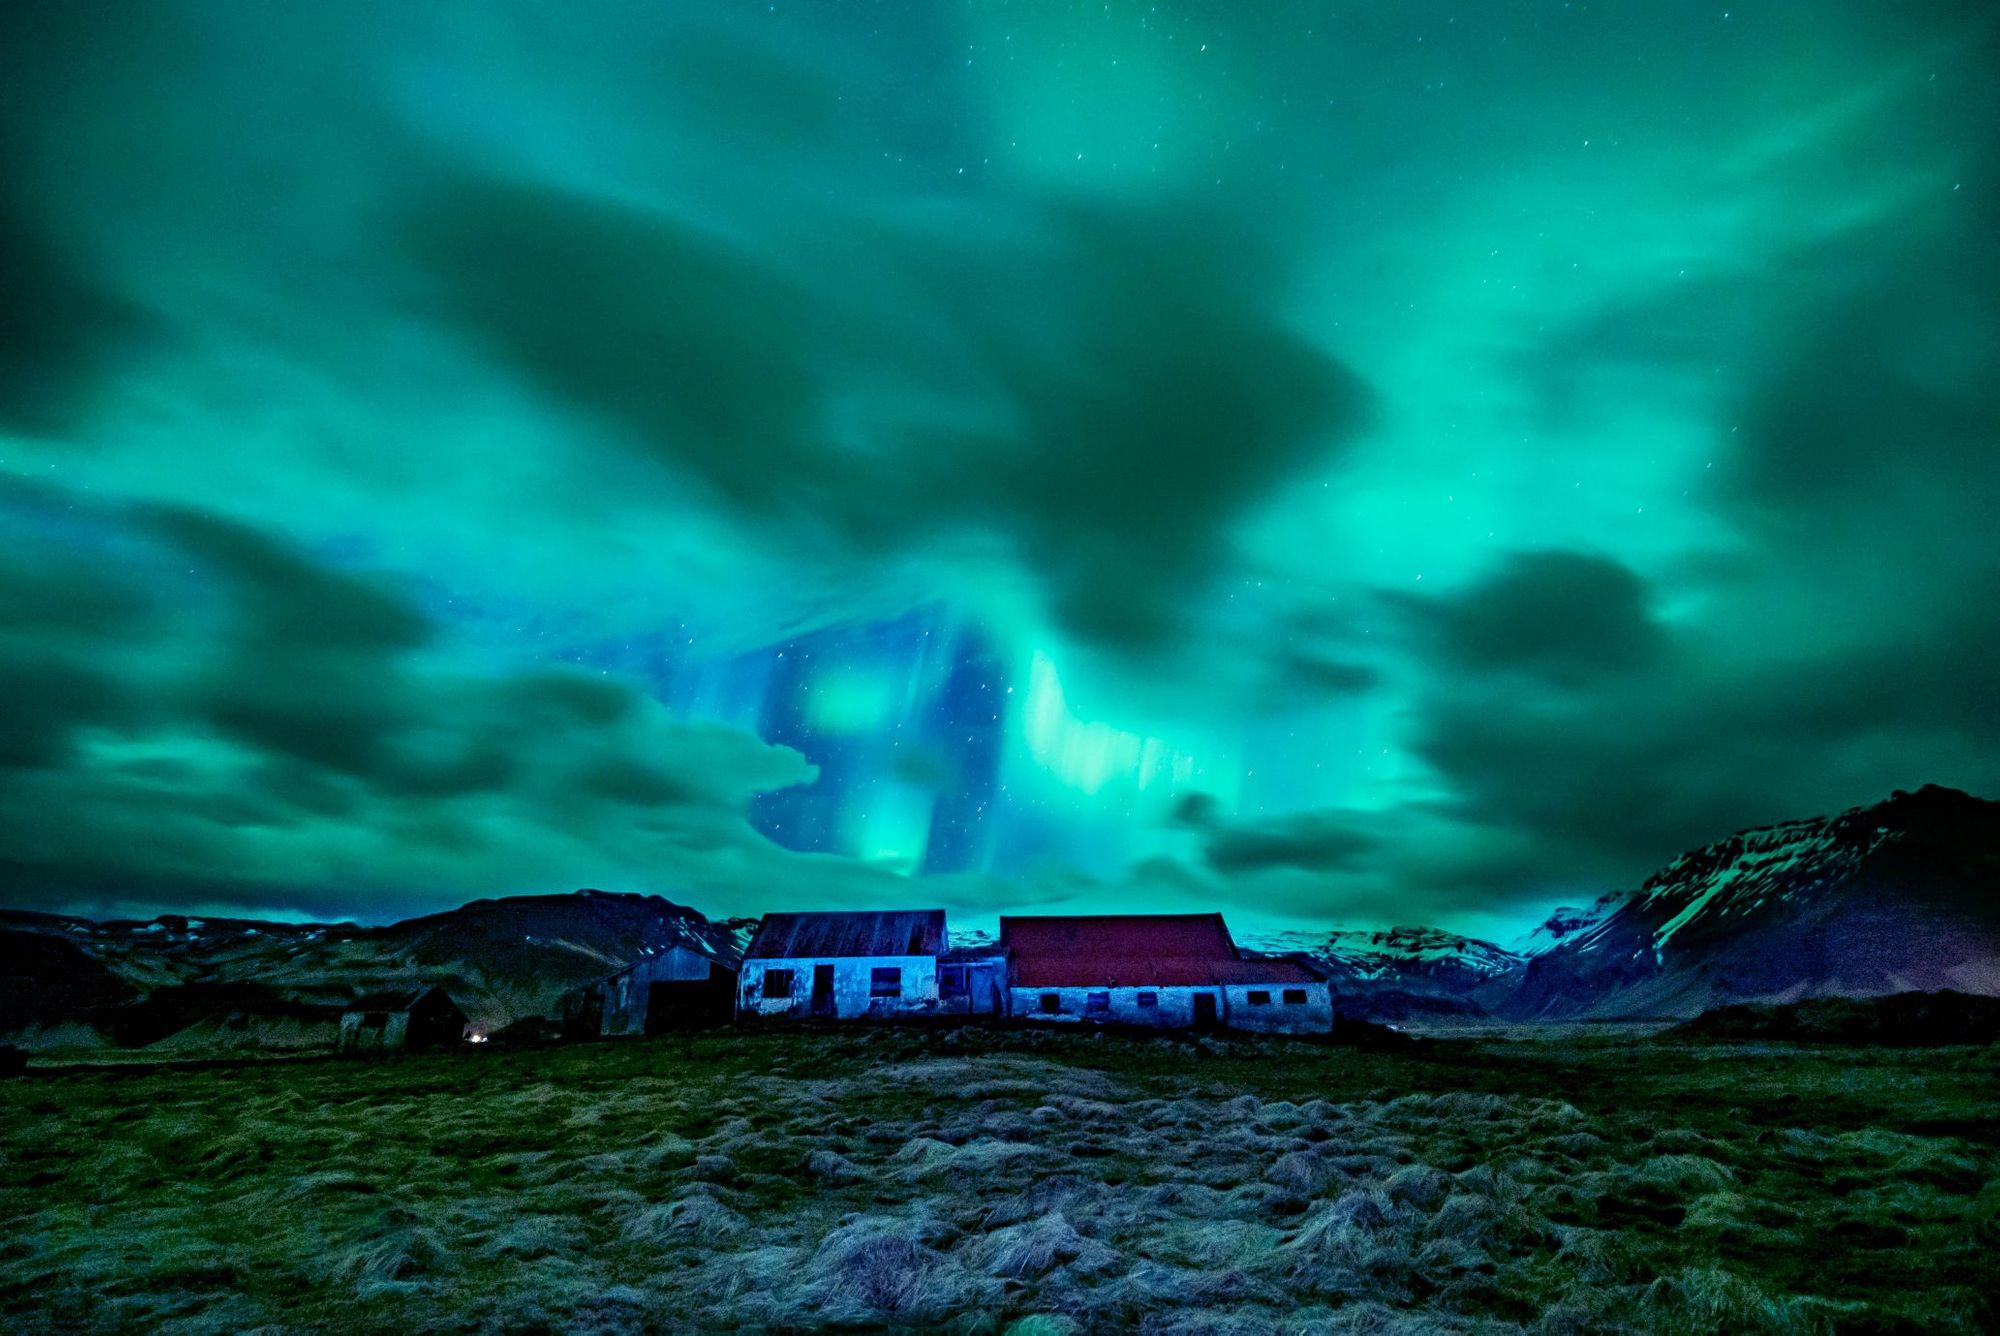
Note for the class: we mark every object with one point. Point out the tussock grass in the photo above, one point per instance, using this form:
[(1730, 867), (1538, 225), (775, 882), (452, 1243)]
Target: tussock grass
[(988, 1182)]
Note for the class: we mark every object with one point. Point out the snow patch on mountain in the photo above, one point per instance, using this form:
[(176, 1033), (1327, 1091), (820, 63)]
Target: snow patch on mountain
[(1738, 875), (1568, 924), (1395, 954)]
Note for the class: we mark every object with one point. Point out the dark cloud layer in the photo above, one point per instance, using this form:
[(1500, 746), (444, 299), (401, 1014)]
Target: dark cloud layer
[(1567, 617), (192, 708), (59, 326), (1103, 388)]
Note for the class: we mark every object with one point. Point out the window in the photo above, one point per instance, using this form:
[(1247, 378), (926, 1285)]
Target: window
[(1295, 997), (1149, 999), (951, 980), (1052, 1003), (1097, 1004), (885, 981), (1259, 998), (777, 983)]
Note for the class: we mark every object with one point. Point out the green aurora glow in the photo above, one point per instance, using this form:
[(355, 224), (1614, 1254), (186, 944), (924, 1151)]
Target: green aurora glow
[(1408, 462)]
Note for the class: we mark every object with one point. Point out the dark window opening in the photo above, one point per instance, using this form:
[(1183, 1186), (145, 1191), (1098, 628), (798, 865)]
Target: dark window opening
[(1295, 997), (1260, 998), (1149, 999), (375, 1020), (951, 980), (1052, 1002), (1097, 1004), (885, 981), (777, 983)]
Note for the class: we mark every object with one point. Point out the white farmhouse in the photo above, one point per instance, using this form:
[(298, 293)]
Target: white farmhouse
[(1168, 971), (843, 965)]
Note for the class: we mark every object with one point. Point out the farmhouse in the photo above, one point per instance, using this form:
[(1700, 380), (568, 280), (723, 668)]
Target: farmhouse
[(842, 965), (407, 1019), (1165, 970), (678, 988)]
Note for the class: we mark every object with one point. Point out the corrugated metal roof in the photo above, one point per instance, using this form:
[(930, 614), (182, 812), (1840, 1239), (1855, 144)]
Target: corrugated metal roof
[(1132, 951), (877, 932), (1147, 971), (666, 953)]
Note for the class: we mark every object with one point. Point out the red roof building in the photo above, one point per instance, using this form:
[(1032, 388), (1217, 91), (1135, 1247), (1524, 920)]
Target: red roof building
[(1135, 950)]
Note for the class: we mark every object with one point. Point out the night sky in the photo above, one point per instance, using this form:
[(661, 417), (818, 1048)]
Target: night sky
[(1352, 463)]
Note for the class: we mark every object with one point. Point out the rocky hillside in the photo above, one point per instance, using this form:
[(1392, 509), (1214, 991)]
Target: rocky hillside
[(72, 981), (1900, 896)]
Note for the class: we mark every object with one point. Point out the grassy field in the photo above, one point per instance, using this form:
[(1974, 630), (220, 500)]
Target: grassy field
[(982, 1181)]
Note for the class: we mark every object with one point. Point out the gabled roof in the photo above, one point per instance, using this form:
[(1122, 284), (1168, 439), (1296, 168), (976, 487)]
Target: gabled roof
[(1134, 950), (875, 932), (691, 948)]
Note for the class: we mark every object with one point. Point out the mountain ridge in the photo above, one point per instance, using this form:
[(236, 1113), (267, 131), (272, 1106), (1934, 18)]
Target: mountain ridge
[(1892, 897), (1889, 897)]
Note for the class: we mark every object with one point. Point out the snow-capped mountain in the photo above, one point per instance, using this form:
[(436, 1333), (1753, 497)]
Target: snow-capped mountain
[(1566, 924), (1882, 899), (1397, 955), (1396, 974)]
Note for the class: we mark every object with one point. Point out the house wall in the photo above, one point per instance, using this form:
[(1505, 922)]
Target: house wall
[(1175, 1010), (625, 995), (1313, 1016), (357, 1036), (853, 978)]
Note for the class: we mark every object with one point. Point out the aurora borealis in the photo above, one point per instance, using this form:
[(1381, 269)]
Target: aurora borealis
[(1337, 463)]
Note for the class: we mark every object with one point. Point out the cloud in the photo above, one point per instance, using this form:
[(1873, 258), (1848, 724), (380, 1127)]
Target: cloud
[(1104, 389), (60, 328), (196, 709), (1317, 841), (1565, 617), (1611, 775)]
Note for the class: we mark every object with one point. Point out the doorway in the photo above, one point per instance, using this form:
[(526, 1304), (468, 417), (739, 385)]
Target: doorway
[(822, 994), (675, 1004), (1204, 1011)]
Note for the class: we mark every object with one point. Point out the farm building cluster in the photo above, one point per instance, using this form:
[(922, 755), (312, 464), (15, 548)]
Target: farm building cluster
[(1165, 971), (1158, 971)]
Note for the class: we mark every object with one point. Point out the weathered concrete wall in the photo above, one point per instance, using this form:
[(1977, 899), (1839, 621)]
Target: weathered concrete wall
[(358, 1036), (1174, 1007), (1313, 1016), (853, 981)]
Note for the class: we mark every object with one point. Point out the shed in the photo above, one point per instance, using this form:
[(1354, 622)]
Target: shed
[(677, 988), (1169, 971), (407, 1019), (843, 964), (972, 980)]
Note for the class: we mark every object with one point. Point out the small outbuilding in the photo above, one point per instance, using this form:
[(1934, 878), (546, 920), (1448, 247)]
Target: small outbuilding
[(972, 981), (676, 988), (404, 1020), (843, 965), (1168, 971)]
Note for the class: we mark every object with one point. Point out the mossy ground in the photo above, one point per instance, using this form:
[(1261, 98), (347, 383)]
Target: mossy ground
[(978, 1180)]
